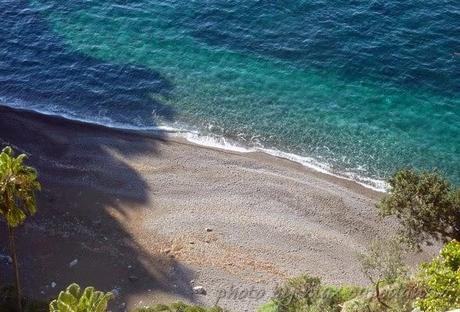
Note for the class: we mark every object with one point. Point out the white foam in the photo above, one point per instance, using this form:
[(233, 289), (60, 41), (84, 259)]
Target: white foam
[(55, 111), (213, 141), (309, 162), (218, 142)]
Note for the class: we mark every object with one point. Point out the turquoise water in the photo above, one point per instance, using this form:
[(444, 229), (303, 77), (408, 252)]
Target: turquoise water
[(364, 87)]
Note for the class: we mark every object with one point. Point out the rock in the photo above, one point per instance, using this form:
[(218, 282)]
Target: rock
[(6, 259), (133, 278), (116, 292), (199, 290), (53, 284), (73, 263), (191, 242), (208, 230)]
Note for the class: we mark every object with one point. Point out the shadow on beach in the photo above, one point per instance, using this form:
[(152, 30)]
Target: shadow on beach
[(90, 191), (89, 196)]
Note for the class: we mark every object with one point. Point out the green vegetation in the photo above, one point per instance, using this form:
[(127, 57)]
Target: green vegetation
[(73, 299), (398, 296), (306, 293), (436, 288), (426, 204), (18, 184), (428, 208), (8, 302), (442, 279), (178, 307), (383, 263)]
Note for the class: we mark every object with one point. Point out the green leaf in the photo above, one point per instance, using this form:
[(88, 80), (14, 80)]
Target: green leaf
[(18, 184), (74, 300)]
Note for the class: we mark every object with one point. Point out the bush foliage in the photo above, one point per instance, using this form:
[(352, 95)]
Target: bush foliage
[(399, 295), (436, 288), (426, 204), (178, 307), (383, 261), (305, 293), (8, 302), (442, 278), (73, 299)]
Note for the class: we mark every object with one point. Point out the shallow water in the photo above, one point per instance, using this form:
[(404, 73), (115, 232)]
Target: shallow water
[(361, 87)]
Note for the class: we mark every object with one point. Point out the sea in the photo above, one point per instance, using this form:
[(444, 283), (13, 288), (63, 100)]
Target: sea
[(357, 89)]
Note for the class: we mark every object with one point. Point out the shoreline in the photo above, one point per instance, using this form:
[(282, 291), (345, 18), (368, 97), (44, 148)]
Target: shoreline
[(151, 216), (212, 142)]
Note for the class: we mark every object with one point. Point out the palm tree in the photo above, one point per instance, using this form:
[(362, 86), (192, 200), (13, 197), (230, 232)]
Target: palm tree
[(18, 184)]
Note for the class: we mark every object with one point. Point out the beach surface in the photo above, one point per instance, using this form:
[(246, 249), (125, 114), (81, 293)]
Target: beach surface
[(150, 217)]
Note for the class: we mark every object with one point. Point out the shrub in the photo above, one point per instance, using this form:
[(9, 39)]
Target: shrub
[(425, 203), (306, 293), (75, 300), (398, 296), (331, 298), (8, 302), (297, 291), (383, 261), (442, 279), (270, 306), (178, 307), (383, 264)]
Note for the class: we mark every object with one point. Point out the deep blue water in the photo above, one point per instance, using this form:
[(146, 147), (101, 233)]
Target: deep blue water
[(363, 87)]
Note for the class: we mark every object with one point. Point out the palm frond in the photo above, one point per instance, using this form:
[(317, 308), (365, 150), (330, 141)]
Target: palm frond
[(18, 184)]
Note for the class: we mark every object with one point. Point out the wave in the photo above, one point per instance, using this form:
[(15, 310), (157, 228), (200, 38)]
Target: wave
[(198, 138), (309, 162)]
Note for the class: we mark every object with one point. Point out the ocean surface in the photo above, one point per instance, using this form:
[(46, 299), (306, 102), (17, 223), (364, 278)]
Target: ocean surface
[(355, 88)]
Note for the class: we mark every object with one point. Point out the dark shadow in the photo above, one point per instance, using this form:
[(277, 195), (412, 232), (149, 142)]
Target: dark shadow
[(38, 67), (85, 182), (90, 195)]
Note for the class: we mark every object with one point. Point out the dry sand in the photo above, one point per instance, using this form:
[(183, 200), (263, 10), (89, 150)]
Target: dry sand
[(152, 216)]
